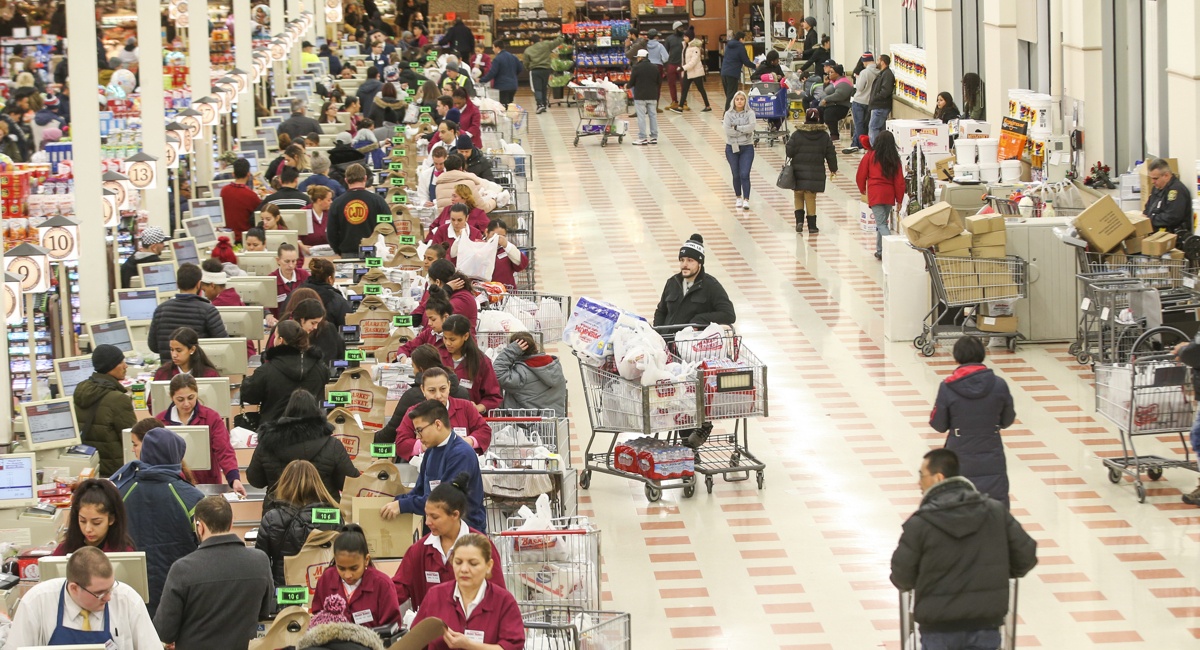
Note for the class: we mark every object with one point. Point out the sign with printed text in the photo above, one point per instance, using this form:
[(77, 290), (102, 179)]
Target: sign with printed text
[(372, 290), (414, 64), (355, 355), (111, 215), (383, 451), (383, 218), (426, 109), (372, 262), (407, 240), (326, 516), (398, 182), (397, 140), (192, 123), (33, 271), (425, 119), (122, 195), (339, 397), (142, 175), (401, 321), (62, 242), (402, 199), (288, 596)]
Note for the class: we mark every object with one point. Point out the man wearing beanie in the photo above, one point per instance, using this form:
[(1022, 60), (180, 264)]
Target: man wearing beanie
[(320, 173), (103, 408), (150, 248), (692, 296)]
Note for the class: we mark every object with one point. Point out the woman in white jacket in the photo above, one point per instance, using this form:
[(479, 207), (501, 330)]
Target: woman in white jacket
[(693, 74)]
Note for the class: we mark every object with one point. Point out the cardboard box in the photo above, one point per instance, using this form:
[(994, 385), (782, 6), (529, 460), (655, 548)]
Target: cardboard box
[(997, 324), (961, 252), (1133, 245), (1141, 223), (965, 295), (995, 238), (1176, 254), (1104, 225), (1001, 292), (979, 224), (957, 243), (384, 538), (990, 252), (1143, 171), (943, 170), (933, 225), (1158, 244)]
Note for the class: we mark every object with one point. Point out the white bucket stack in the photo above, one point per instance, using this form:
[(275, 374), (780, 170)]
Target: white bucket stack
[(989, 172), (1010, 171), (989, 149)]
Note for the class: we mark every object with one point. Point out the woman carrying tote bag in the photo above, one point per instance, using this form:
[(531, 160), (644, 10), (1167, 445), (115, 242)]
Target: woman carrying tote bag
[(810, 149)]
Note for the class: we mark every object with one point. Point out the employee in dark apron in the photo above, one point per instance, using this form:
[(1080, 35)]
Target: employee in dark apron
[(88, 607), (1170, 204)]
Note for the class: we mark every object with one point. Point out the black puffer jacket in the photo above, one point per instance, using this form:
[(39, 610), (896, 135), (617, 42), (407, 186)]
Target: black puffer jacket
[(480, 165), (184, 310), (336, 305), (973, 405), (386, 111), (283, 531), (706, 303), (958, 551), (283, 440), (810, 150), (284, 369)]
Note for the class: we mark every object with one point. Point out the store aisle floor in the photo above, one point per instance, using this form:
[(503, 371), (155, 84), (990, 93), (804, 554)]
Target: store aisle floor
[(804, 562)]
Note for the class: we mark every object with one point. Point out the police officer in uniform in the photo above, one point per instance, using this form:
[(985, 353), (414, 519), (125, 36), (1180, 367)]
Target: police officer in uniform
[(1170, 204)]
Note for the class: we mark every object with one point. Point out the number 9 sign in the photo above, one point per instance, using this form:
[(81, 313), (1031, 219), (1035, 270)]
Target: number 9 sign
[(34, 271)]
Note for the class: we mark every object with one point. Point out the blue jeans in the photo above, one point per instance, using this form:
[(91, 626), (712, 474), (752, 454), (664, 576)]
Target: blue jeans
[(647, 109), (972, 640), (881, 214), (878, 122), (740, 162), (862, 116)]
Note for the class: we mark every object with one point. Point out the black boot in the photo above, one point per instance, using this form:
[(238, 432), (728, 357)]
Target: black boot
[(812, 224), (799, 220)]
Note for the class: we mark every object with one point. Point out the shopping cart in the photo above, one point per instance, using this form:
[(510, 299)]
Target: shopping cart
[(554, 568), (563, 628), (598, 112), (542, 313), (969, 282), (770, 106), (521, 165), (908, 625), (530, 455), (1112, 315), (1150, 394), (518, 224)]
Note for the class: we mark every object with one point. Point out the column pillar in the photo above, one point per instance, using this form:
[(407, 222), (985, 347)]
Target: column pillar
[(939, 52), (94, 292), (846, 33), (1183, 85), (1084, 76), (243, 59), (278, 67), (200, 80), (318, 10), (1000, 55), (154, 138), (891, 26), (294, 67)]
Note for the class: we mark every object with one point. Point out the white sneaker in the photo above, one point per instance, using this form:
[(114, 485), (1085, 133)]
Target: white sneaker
[(737, 204), (746, 203)]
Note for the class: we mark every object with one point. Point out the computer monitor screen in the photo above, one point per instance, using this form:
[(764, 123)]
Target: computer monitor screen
[(296, 220), (160, 275), (71, 372), (282, 111), (257, 263), (136, 305), (257, 145), (227, 355), (50, 424), (201, 230), (252, 157), (211, 208), (349, 51), (255, 290), (218, 185), (112, 332), (244, 322), (269, 136), (277, 237), (128, 568), (301, 93), (185, 251), (213, 392), (272, 122), (18, 481)]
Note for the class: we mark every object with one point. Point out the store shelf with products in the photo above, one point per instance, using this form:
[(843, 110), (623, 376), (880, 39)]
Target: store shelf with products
[(660, 18), (598, 50), (220, 47), (481, 27), (912, 77), (518, 31)]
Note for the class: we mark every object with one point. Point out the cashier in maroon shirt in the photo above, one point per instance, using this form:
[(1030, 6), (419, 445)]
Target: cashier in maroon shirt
[(238, 200), (473, 608), (97, 519), (319, 200)]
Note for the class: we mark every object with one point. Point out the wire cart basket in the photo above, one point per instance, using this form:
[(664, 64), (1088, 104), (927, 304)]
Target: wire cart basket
[(562, 628), (545, 314), (556, 568), (530, 455), (1151, 394), (908, 625), (598, 112), (1112, 315), (770, 106), (968, 282)]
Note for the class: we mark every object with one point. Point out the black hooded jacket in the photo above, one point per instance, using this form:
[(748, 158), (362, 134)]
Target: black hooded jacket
[(958, 552), (284, 369), (284, 439), (706, 303), (811, 149), (972, 406), (283, 531)]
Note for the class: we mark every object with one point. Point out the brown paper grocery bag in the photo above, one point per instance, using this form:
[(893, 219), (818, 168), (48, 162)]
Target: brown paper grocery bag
[(356, 440), (285, 631), (422, 634), (374, 321), (376, 277), (384, 538), (381, 479), (367, 399), (304, 569), (388, 350), (406, 257)]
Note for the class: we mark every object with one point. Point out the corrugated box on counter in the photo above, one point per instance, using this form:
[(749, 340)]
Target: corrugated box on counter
[(1104, 225), (933, 225), (978, 224), (1158, 244)]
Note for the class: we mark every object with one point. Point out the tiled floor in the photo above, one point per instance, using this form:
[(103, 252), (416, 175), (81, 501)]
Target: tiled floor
[(804, 562)]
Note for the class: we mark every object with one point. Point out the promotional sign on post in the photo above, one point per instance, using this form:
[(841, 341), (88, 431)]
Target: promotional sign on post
[(190, 118), (32, 265), (173, 150), (60, 238), (209, 108), (142, 171)]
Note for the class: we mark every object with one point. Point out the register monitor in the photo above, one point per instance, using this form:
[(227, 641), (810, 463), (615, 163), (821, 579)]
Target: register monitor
[(255, 289), (227, 355), (211, 208), (296, 220), (272, 122), (50, 424), (136, 305), (257, 145), (213, 392), (252, 157), (197, 454), (185, 251), (269, 136), (114, 331), (159, 275), (18, 481), (70, 372), (200, 228), (129, 568), (277, 237), (257, 263), (219, 184), (244, 322)]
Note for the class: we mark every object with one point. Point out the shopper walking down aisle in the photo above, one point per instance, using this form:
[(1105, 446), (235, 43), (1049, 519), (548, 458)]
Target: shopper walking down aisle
[(693, 74), (504, 72), (881, 178), (973, 405), (731, 66), (881, 97), (645, 80), (864, 80), (693, 296), (675, 46), (739, 147), (537, 61), (810, 150)]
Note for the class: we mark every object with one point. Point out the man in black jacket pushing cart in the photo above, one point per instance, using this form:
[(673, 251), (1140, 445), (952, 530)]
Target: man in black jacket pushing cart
[(693, 296)]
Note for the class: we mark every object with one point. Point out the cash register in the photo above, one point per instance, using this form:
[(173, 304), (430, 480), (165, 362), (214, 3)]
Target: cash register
[(21, 519), (52, 434)]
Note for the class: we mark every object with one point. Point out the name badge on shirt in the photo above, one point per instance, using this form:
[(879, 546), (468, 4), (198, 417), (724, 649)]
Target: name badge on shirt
[(502, 255), (281, 298), (466, 383), (363, 617), (433, 484), (460, 432), (474, 635), (433, 577)]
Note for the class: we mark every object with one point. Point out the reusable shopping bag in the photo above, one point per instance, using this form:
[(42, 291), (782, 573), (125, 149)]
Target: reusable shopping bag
[(367, 399), (380, 479), (304, 569)]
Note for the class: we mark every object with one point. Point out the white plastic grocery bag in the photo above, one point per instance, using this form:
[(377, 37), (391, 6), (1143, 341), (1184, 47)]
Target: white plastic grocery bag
[(477, 259)]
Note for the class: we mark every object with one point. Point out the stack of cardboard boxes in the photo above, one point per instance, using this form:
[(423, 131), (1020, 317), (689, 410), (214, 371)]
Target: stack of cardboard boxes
[(1118, 235)]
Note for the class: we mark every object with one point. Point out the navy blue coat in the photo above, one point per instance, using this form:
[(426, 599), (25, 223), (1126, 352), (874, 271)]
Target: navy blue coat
[(506, 70), (735, 59), (973, 405), (160, 506)]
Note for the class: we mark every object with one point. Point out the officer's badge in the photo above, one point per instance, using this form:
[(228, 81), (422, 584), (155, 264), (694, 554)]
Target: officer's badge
[(1172, 194)]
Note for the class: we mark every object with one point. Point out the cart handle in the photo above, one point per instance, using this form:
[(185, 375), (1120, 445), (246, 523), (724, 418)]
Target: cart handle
[(1162, 329), (532, 533), (532, 420)]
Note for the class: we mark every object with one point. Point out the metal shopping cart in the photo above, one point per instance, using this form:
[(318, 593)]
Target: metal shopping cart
[(908, 625), (969, 282), (554, 568), (542, 313), (598, 112), (563, 628), (1150, 394), (770, 107), (530, 455), (1112, 315)]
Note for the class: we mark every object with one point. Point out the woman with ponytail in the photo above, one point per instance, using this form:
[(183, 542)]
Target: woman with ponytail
[(474, 369), (290, 365)]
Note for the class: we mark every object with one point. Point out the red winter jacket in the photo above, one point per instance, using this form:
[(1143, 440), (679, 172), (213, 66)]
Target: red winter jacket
[(223, 462), (375, 594), (416, 574), (880, 190), (485, 388), (464, 420)]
